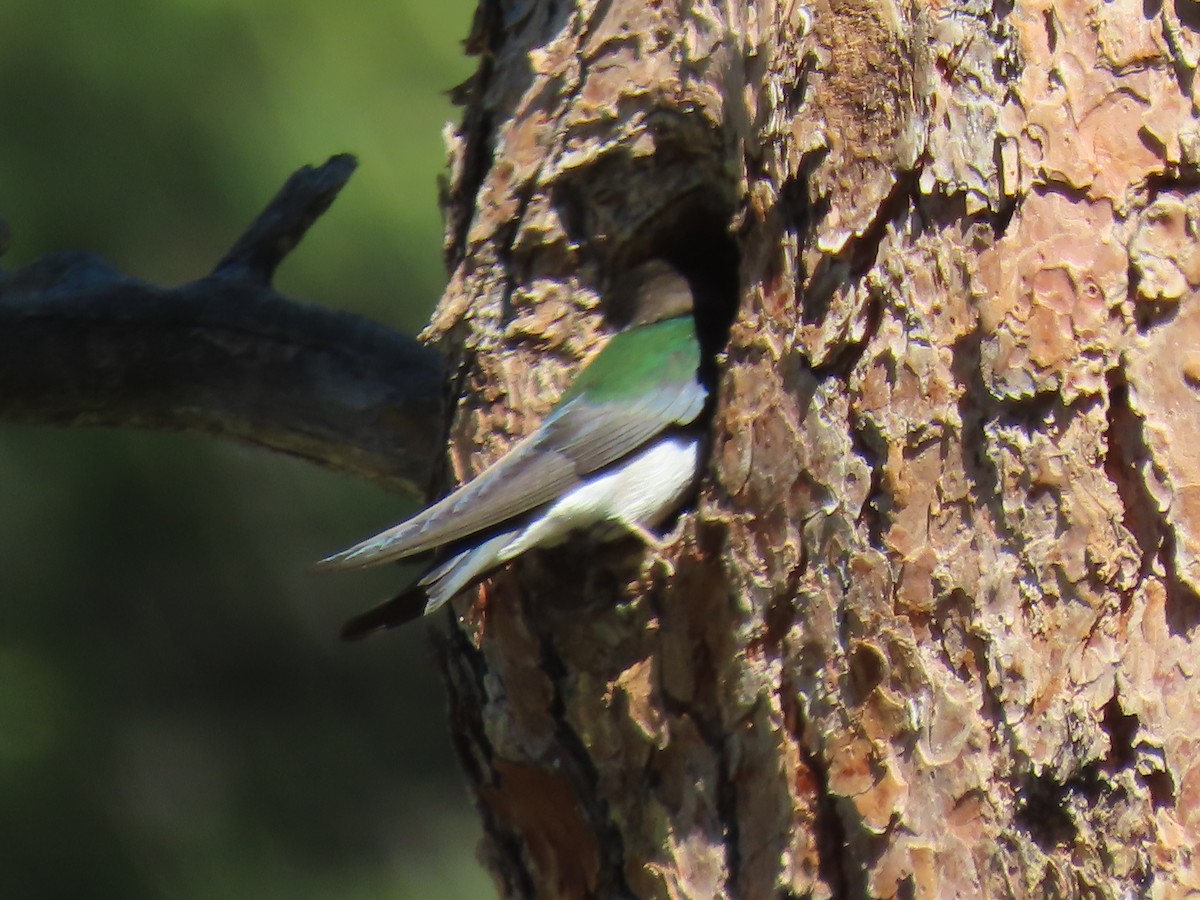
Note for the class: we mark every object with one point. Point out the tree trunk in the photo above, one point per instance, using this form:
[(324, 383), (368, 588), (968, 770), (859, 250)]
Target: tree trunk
[(931, 628)]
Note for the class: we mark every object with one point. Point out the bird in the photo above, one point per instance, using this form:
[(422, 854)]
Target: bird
[(616, 456)]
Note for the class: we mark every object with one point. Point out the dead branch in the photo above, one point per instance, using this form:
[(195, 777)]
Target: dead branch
[(83, 344)]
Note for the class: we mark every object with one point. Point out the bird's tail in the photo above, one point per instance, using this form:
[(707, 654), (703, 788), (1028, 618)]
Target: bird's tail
[(437, 586), (409, 604)]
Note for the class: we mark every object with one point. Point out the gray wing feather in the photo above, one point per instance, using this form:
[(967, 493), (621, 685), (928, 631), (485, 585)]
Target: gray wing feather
[(447, 579), (578, 438), (602, 434)]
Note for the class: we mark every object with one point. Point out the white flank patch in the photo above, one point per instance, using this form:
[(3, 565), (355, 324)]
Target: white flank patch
[(643, 489)]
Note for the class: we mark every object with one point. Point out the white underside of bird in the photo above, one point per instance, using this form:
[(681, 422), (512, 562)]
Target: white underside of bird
[(636, 494), (629, 498)]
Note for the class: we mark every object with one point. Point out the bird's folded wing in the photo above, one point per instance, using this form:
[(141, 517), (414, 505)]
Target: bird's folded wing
[(580, 437)]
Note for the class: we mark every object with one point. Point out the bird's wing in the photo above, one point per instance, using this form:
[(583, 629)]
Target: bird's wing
[(580, 438)]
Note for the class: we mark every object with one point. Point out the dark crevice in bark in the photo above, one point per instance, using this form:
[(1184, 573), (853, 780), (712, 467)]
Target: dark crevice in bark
[(1143, 319), (1148, 313), (1122, 730), (1124, 442), (831, 274), (579, 770), (1051, 809), (590, 24), (1153, 143), (862, 252), (505, 238), (943, 212), (827, 828), (1003, 8), (1174, 180), (1183, 603), (852, 264), (1128, 455), (478, 126), (796, 92), (1043, 811), (704, 708), (1077, 195), (1181, 52), (797, 209), (840, 363), (727, 809), (1161, 787), (955, 611), (441, 477), (478, 130), (507, 860), (1051, 29), (1030, 414), (983, 477), (464, 670), (869, 445), (780, 614), (866, 669), (976, 408), (1003, 216)]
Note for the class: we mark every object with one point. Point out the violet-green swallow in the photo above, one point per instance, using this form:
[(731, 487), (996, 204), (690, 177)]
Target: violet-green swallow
[(614, 457)]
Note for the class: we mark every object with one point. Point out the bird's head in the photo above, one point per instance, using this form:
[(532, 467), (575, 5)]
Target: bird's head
[(650, 292)]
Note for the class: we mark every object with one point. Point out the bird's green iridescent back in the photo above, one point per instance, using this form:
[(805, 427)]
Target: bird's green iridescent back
[(666, 352)]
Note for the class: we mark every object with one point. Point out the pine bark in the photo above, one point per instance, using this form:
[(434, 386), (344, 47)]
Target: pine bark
[(933, 621)]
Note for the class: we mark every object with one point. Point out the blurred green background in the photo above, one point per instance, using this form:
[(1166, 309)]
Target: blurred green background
[(177, 716)]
